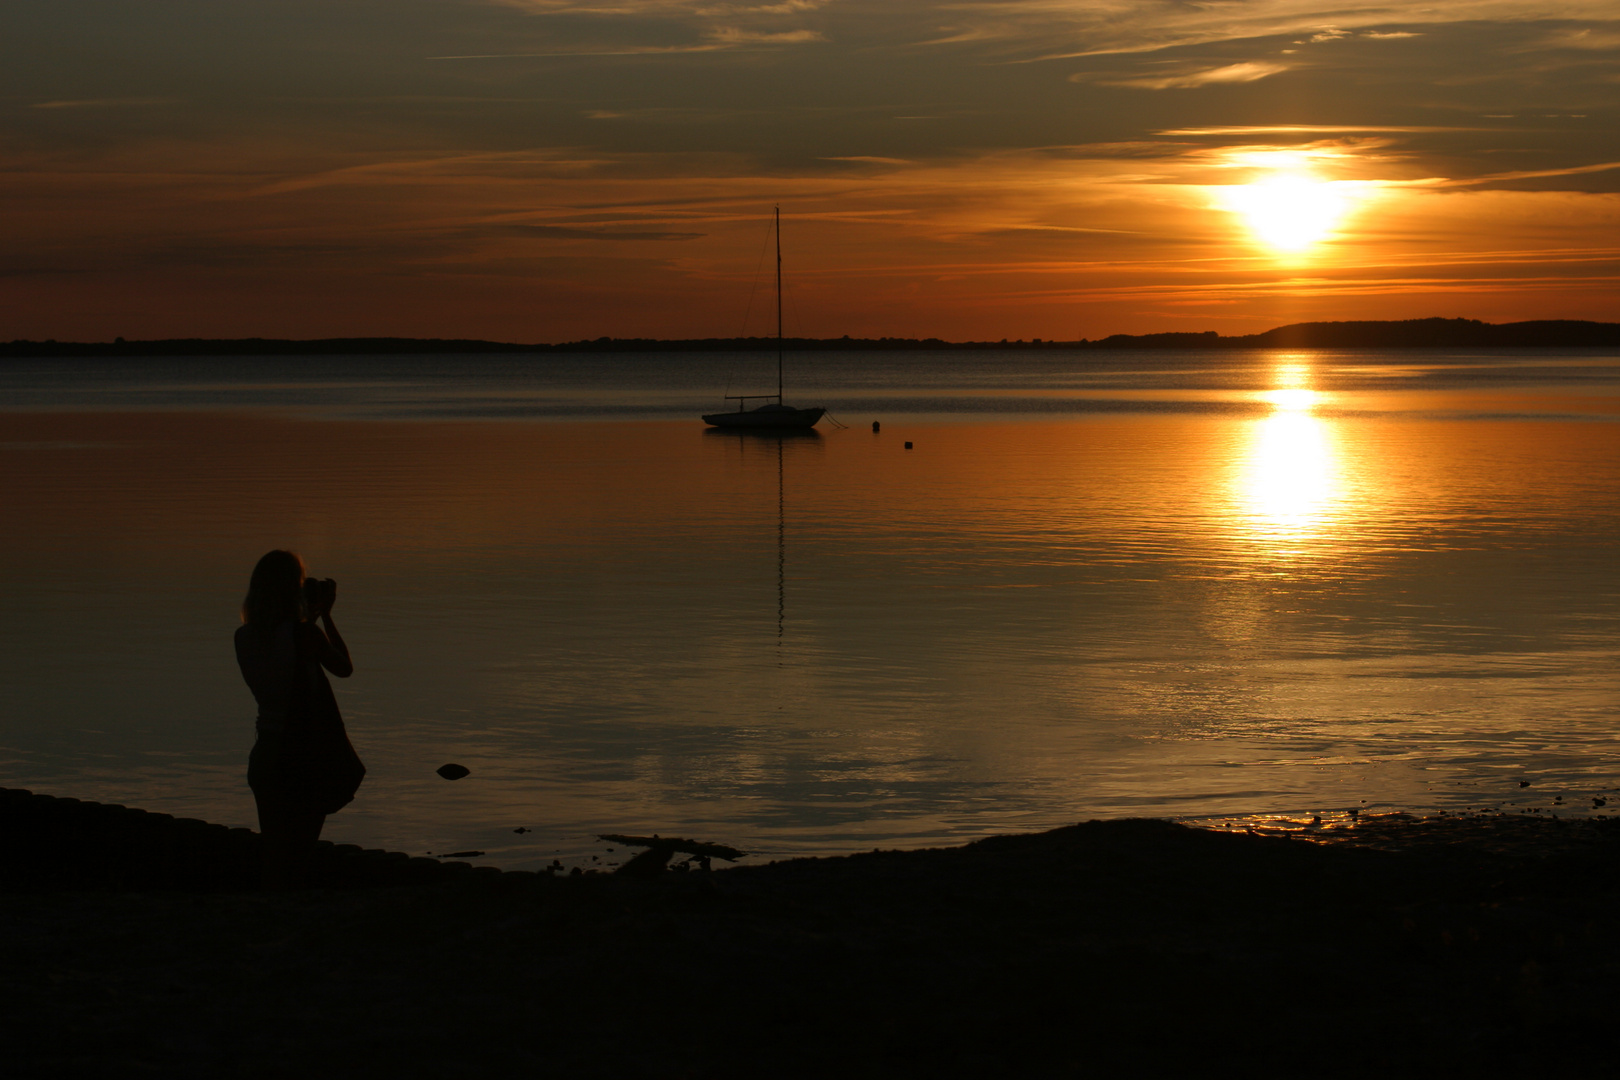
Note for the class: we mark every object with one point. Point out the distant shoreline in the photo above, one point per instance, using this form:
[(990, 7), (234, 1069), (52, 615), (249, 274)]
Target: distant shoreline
[(1404, 334)]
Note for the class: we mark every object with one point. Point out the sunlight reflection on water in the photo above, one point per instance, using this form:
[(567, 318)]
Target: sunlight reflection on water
[(1287, 473), (1277, 605)]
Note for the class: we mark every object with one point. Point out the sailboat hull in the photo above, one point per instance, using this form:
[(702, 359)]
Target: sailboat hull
[(767, 416)]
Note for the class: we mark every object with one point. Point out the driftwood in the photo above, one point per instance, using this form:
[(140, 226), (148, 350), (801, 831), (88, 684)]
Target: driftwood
[(660, 848)]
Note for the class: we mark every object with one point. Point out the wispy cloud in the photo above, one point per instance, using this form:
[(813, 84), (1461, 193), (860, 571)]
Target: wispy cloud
[(717, 39), (565, 232), (736, 35), (659, 8), (641, 50), (867, 159), (1248, 71), (1125, 26), (105, 103), (723, 25), (1533, 174), (1596, 39), (1313, 129)]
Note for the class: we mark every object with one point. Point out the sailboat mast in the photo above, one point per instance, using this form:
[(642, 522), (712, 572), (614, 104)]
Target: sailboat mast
[(779, 305)]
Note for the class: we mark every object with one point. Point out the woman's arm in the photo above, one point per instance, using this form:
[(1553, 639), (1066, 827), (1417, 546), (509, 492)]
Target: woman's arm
[(335, 656)]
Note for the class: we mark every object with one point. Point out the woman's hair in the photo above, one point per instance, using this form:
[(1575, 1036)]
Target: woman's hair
[(276, 590)]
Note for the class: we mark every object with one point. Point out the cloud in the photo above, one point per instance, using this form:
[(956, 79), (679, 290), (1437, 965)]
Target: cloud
[(645, 50), (1058, 230), (1044, 29), (1107, 27), (867, 159), (736, 35), (660, 9), (619, 9), (1534, 174), (564, 232), (623, 29), (1313, 129), (1248, 71), (104, 103), (731, 24), (787, 7), (1585, 38)]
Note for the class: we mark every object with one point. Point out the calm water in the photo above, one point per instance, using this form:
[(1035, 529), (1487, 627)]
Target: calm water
[(1099, 585)]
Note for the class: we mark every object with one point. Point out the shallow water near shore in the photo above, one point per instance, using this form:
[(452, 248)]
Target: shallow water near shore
[(1099, 585)]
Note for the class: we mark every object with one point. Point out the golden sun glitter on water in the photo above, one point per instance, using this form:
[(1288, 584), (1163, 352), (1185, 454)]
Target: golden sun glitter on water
[(1287, 481)]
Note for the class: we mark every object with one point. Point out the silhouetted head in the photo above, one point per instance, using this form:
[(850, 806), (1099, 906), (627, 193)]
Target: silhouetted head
[(276, 590)]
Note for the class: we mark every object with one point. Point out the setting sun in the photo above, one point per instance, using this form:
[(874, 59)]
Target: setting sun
[(1289, 212)]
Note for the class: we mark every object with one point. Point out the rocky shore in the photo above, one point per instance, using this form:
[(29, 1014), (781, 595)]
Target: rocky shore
[(134, 944)]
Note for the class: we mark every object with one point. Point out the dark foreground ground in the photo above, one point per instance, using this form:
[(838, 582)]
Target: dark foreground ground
[(1477, 946)]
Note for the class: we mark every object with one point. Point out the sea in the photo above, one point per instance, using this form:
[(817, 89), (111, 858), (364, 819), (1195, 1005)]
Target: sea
[(995, 591)]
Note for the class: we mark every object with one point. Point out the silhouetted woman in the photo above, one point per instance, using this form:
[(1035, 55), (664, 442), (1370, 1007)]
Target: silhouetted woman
[(302, 767)]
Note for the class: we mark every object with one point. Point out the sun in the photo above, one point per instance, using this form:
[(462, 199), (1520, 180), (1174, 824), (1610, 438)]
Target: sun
[(1289, 212)]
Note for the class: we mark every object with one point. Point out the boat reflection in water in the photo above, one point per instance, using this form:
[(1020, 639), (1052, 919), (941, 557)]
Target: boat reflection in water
[(780, 436)]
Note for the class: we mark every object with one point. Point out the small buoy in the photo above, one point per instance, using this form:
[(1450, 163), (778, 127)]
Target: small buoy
[(876, 427), (453, 771), (1524, 783), (908, 446)]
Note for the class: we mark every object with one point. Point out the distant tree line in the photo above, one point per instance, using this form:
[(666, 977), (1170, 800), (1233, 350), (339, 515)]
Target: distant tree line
[(1403, 334)]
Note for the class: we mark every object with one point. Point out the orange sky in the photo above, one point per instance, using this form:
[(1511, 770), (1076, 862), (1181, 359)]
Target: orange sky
[(542, 170)]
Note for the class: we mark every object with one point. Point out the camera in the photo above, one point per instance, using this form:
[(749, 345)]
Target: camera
[(319, 594)]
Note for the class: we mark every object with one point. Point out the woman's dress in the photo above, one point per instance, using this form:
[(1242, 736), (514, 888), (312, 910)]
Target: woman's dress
[(302, 758)]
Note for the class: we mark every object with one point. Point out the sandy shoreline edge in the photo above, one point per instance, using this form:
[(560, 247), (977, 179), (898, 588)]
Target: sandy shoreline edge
[(57, 842), (1403, 945)]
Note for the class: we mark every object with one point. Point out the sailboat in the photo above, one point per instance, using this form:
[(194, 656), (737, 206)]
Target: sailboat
[(775, 413)]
